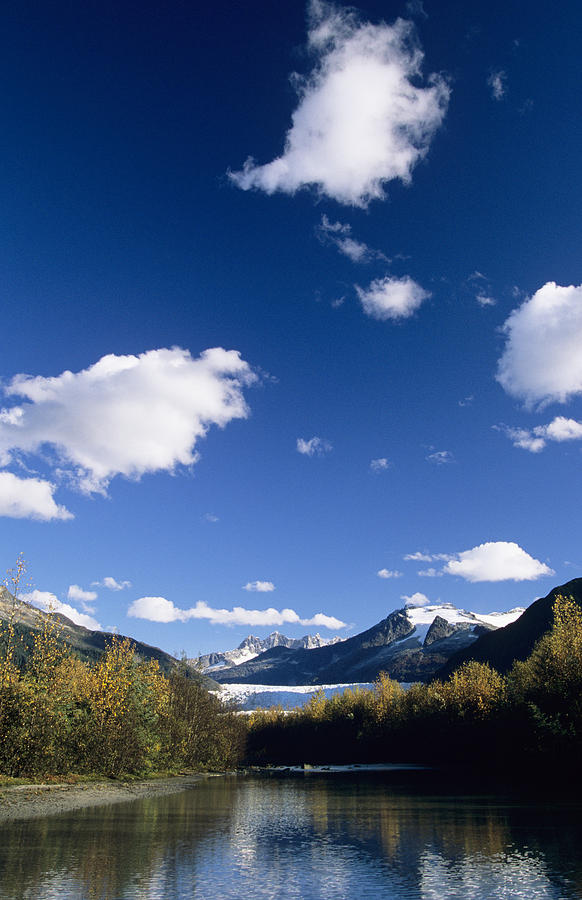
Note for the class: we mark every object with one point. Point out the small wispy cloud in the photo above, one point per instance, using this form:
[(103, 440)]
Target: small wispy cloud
[(112, 584), (261, 587), (416, 8), (210, 517), (380, 465), (497, 82), (440, 457), (389, 573), (466, 401), (418, 557), (485, 300), (315, 446), (340, 236)]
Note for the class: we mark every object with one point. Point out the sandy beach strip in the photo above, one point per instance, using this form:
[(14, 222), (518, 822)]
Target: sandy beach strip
[(27, 801)]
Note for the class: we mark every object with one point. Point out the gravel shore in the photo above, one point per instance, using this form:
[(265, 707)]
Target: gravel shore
[(31, 800)]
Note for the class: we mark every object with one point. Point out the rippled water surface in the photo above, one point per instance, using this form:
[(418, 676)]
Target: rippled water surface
[(396, 836)]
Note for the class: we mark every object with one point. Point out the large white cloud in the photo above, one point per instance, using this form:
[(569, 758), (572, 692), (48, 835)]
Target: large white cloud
[(391, 297), (125, 415), (542, 361), (50, 603), (362, 118), (159, 609), (559, 429), (497, 561), (29, 498)]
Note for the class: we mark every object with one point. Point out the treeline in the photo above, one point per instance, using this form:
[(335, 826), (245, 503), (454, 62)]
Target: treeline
[(531, 715), (59, 715)]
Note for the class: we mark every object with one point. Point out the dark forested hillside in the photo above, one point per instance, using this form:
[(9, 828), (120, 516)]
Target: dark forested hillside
[(502, 647)]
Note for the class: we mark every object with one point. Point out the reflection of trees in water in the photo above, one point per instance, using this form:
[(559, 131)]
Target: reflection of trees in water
[(413, 837), (103, 852), (477, 841)]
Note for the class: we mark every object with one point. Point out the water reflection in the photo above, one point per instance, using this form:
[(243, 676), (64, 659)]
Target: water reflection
[(329, 837)]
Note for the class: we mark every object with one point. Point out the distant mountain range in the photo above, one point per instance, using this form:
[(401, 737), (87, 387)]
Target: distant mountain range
[(252, 646), (88, 645), (411, 644)]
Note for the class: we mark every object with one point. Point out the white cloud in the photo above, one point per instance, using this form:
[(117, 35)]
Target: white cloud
[(416, 599), (159, 609), (416, 8), (340, 236), (315, 446), (497, 81), (559, 429), (430, 573), (523, 438), (50, 603), (261, 587), (388, 573), (380, 464), (485, 300), (126, 415), (497, 561), (542, 361), (29, 498), (391, 297), (77, 593), (362, 118), (440, 457), (418, 557), (466, 401), (113, 585), (210, 517)]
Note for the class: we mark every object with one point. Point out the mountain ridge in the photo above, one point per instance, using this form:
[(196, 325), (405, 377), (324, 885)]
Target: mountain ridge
[(516, 640), (252, 646), (410, 644)]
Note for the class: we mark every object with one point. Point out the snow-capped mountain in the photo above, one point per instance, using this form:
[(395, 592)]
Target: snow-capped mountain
[(410, 644), (253, 646), (424, 618)]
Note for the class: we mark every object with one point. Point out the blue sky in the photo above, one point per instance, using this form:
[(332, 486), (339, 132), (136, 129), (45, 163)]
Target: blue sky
[(292, 311)]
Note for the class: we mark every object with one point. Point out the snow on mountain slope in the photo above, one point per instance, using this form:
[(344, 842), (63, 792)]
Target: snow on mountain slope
[(422, 618)]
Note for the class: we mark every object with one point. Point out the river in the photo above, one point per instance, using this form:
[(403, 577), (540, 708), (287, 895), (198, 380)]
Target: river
[(400, 835)]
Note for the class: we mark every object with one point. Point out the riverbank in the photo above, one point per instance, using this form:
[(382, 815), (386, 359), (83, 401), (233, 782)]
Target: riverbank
[(26, 801)]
